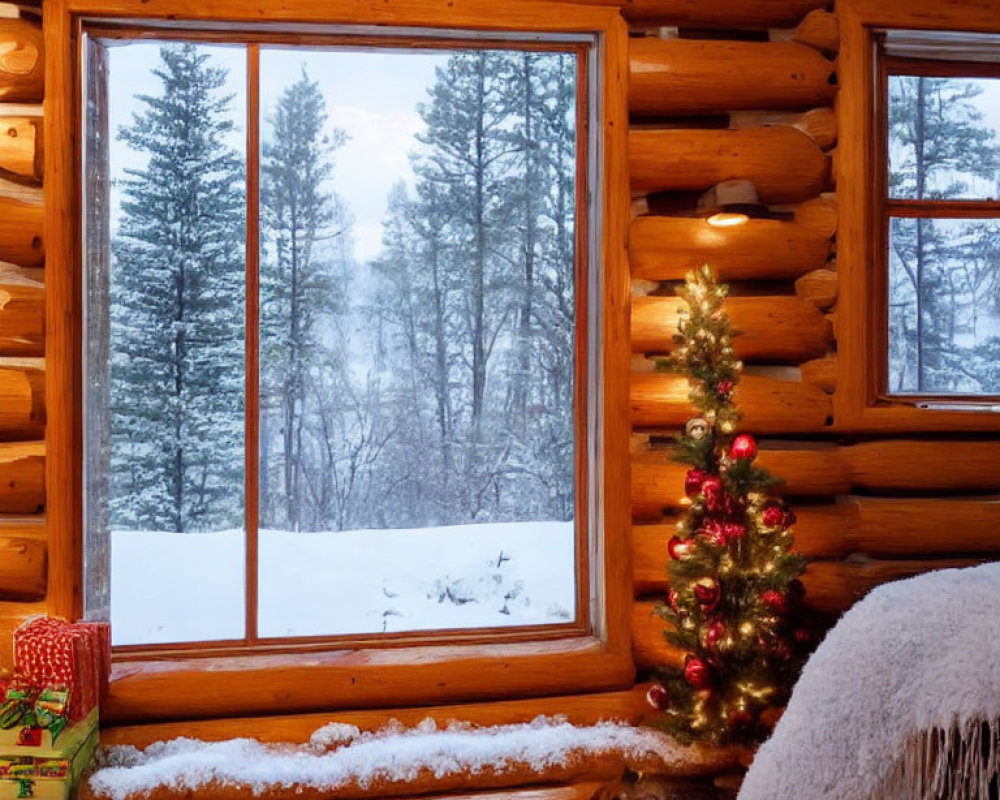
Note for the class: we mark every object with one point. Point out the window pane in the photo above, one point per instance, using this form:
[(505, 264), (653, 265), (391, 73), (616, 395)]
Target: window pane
[(174, 363), (944, 306), (417, 340), (944, 137)]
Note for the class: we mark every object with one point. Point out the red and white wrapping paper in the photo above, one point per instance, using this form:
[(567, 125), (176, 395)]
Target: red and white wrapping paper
[(49, 651)]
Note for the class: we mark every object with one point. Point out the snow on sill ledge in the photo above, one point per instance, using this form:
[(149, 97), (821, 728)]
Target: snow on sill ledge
[(341, 761)]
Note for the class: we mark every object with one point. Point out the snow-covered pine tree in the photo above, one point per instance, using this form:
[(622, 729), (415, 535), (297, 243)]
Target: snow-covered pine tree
[(301, 289), (177, 308), (938, 140)]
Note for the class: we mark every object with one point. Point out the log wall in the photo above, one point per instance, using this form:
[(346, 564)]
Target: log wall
[(23, 545), (745, 89), (714, 98)]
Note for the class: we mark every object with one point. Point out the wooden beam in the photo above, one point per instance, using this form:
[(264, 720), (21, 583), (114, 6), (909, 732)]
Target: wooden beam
[(821, 372), (911, 465), (769, 406), (22, 477), (22, 313), (20, 148), (12, 614), (833, 587), (649, 647), (819, 29), (22, 568), (819, 287), (747, 14), (22, 402), (666, 248), (819, 124), (582, 709), (775, 329), (21, 232), (784, 163), (688, 76), (813, 470), (21, 64)]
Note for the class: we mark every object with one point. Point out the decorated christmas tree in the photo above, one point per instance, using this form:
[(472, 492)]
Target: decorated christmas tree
[(735, 598)]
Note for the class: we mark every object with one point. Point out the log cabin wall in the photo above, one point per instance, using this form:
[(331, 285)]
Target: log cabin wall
[(745, 89), (748, 90), (23, 545)]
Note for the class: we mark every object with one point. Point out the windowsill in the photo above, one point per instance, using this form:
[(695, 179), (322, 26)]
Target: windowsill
[(905, 417), (361, 678)]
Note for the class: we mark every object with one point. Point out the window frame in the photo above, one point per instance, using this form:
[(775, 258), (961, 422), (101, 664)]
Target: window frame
[(411, 670), (861, 404)]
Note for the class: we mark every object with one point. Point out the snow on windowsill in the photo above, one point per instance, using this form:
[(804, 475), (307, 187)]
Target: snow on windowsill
[(340, 755)]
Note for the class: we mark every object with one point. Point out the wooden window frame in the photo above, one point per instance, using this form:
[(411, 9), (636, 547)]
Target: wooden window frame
[(860, 404), (413, 671)]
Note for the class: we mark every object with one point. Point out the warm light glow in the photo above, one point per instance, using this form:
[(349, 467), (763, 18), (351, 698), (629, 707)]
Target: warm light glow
[(727, 219)]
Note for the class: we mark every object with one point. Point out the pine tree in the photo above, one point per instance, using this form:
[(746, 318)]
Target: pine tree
[(177, 304), (299, 287), (733, 605)]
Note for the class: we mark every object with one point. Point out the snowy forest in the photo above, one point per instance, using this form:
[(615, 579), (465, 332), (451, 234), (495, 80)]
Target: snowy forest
[(944, 291), (431, 385)]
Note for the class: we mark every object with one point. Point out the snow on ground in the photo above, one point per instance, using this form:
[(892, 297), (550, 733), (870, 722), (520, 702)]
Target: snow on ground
[(175, 587), (393, 754)]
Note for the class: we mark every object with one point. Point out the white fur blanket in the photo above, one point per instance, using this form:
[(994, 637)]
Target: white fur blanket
[(900, 701)]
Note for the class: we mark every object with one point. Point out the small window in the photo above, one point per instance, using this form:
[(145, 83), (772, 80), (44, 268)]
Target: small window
[(336, 337), (941, 216)]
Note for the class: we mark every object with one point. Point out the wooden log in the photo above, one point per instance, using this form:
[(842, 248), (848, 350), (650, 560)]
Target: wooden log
[(22, 568), (21, 232), (658, 483), (649, 647), (666, 248), (776, 329), (22, 477), (819, 29), (821, 372), (583, 709), (785, 165), (591, 790), (22, 313), (917, 526), (904, 465), (818, 215), (819, 287), (22, 402), (822, 531), (769, 406), (12, 614), (833, 587), (819, 124), (20, 148), (747, 14), (22, 68), (687, 76)]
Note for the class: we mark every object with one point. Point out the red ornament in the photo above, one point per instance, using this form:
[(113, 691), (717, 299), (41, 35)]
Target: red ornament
[(734, 531), (708, 593), (725, 387), (673, 600), (802, 635), (696, 672), (658, 697), (775, 601), (679, 548), (715, 633), (744, 447), (714, 532), (692, 481), (714, 493), (774, 516)]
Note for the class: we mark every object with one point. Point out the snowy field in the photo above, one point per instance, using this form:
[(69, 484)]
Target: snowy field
[(176, 587)]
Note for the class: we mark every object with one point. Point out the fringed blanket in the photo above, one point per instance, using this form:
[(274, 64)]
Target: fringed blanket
[(901, 701)]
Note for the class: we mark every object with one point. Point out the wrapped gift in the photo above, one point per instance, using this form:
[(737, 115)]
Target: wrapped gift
[(50, 652), (47, 777)]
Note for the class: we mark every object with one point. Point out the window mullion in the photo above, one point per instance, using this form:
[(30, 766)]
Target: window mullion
[(252, 451)]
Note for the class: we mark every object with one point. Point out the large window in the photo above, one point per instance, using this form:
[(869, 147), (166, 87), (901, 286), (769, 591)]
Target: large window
[(337, 337), (941, 217)]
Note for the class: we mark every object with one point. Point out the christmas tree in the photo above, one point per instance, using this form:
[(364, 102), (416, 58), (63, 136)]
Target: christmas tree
[(734, 602)]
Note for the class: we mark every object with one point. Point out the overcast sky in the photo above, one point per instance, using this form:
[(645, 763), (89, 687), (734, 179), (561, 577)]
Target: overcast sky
[(371, 95)]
